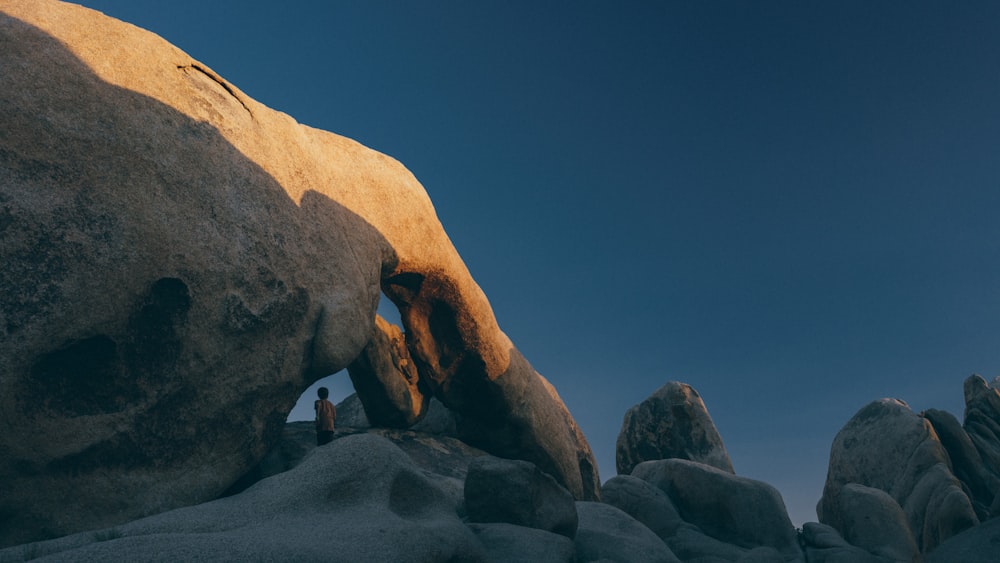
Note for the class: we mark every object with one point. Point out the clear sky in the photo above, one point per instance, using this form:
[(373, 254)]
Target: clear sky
[(792, 206)]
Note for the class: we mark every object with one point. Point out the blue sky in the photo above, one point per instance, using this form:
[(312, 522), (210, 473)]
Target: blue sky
[(792, 206)]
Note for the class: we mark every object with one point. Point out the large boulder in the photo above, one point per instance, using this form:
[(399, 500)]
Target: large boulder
[(608, 534), (874, 522), (516, 492), (180, 262), (888, 447), (673, 422), (735, 510), (644, 502), (357, 499)]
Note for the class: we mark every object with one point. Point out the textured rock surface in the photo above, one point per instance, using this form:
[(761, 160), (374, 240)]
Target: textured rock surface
[(975, 545), (606, 533), (731, 509), (357, 499), (351, 413), (386, 379), (874, 522), (516, 544), (886, 446), (516, 492), (443, 456), (179, 257), (966, 462), (982, 422), (672, 423), (644, 502), (823, 544)]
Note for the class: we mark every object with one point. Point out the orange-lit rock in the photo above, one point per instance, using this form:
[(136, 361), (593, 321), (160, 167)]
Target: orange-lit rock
[(180, 262)]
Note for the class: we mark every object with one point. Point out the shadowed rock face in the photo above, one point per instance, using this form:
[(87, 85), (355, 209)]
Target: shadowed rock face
[(181, 262), (886, 446), (672, 423), (982, 425)]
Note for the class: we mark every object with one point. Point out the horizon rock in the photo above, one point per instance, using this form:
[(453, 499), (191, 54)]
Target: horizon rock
[(672, 423), (887, 446)]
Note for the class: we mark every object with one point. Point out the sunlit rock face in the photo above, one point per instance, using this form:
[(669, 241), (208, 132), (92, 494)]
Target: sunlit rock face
[(181, 262)]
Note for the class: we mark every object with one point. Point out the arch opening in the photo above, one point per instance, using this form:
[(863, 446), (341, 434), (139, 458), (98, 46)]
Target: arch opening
[(338, 383)]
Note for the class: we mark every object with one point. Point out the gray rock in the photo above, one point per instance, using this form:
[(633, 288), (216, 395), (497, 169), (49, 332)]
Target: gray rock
[(671, 423), (874, 522), (439, 420), (982, 422), (691, 544), (888, 447), (508, 543), (947, 504), (386, 379), (357, 499), (729, 508), (644, 502), (762, 555), (823, 544), (966, 462), (608, 533), (975, 545), (177, 256), (446, 458), (351, 413), (517, 492)]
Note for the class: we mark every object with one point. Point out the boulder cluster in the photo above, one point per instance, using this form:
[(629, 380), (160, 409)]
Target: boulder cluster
[(386, 494)]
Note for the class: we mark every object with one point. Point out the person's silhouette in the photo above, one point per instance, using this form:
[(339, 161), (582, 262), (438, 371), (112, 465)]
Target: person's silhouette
[(326, 413)]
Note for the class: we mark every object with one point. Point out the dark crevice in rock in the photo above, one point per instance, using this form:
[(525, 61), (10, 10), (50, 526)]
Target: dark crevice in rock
[(215, 78)]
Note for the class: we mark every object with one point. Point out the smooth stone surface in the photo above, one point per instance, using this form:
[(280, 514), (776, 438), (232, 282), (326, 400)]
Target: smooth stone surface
[(729, 508), (517, 492), (359, 498), (644, 502), (874, 522), (508, 543), (606, 533)]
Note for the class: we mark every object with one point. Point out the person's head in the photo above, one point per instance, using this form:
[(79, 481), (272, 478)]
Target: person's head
[(323, 392)]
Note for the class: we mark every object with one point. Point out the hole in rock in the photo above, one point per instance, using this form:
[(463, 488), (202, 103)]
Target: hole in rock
[(339, 383)]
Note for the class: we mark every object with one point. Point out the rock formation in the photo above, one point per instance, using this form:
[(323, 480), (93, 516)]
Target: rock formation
[(516, 492), (725, 515), (888, 447), (982, 425), (671, 423), (181, 262), (386, 380), (359, 498), (390, 494)]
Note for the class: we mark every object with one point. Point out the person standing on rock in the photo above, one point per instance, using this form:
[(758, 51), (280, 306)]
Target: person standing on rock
[(325, 415)]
